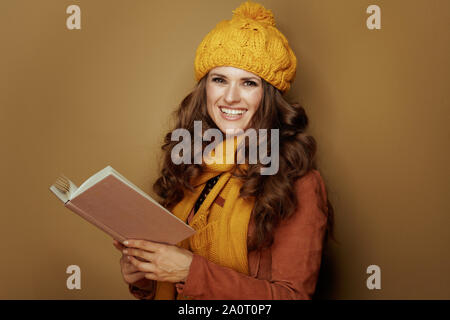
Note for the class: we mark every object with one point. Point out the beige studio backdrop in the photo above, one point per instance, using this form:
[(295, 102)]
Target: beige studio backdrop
[(75, 101)]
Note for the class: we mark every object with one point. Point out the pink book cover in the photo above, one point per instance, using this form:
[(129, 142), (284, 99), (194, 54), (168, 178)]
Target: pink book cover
[(124, 211)]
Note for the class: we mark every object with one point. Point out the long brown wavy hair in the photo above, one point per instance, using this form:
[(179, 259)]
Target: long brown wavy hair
[(275, 197)]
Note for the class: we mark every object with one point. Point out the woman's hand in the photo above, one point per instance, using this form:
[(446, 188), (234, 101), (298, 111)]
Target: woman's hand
[(159, 261), (130, 273)]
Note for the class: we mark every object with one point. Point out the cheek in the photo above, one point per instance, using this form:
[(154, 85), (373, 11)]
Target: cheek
[(212, 92), (210, 99), (210, 112), (254, 100)]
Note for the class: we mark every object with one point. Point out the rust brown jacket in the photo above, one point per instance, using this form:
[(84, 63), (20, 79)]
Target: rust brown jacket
[(287, 270)]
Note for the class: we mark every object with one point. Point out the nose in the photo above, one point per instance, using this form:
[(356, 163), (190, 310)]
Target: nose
[(232, 94)]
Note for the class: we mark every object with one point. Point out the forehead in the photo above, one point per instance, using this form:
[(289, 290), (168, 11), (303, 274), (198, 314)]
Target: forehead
[(233, 72)]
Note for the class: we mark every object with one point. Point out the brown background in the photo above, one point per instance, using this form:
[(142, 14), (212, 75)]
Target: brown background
[(76, 101)]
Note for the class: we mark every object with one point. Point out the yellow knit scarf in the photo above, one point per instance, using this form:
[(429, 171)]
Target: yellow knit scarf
[(221, 235)]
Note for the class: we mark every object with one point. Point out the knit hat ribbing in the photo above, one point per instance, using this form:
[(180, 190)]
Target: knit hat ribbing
[(249, 41)]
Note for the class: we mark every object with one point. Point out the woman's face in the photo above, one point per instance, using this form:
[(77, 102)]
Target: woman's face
[(233, 95)]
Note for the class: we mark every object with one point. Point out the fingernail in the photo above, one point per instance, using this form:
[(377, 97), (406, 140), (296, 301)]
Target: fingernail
[(125, 242), (125, 251)]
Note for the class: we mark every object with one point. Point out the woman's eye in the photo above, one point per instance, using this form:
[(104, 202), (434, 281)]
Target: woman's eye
[(250, 83), (218, 80)]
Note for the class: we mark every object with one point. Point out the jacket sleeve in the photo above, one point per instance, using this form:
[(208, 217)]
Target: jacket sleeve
[(296, 256)]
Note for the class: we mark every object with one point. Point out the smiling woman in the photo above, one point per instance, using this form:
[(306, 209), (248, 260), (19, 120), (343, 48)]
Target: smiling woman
[(257, 236)]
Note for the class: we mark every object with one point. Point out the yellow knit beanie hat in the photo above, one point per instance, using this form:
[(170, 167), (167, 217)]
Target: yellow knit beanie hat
[(249, 41)]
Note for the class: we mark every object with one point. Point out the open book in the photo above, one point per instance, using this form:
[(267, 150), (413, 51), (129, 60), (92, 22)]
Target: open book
[(122, 210)]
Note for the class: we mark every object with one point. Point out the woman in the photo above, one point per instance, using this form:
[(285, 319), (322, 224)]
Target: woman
[(258, 236)]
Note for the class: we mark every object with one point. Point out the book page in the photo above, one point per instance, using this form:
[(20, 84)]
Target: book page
[(64, 197)]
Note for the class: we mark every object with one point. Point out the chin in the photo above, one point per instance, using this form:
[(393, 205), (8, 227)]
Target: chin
[(231, 129)]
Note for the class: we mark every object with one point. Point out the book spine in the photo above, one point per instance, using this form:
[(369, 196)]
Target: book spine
[(95, 222)]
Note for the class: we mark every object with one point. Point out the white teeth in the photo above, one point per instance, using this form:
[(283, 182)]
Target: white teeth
[(232, 111)]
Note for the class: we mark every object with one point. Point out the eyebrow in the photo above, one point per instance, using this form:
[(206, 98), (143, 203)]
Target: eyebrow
[(223, 76)]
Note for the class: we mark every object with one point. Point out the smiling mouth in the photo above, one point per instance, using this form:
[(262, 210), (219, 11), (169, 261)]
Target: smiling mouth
[(232, 111)]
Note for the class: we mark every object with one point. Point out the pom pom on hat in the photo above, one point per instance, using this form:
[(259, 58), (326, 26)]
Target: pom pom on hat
[(254, 11)]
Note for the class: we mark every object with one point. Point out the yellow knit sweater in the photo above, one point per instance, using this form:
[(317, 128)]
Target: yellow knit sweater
[(221, 235)]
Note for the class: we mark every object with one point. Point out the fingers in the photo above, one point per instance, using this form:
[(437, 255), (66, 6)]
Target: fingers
[(144, 244), (121, 247), (133, 277), (130, 272), (128, 267), (151, 276), (138, 253), (118, 245), (143, 266)]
